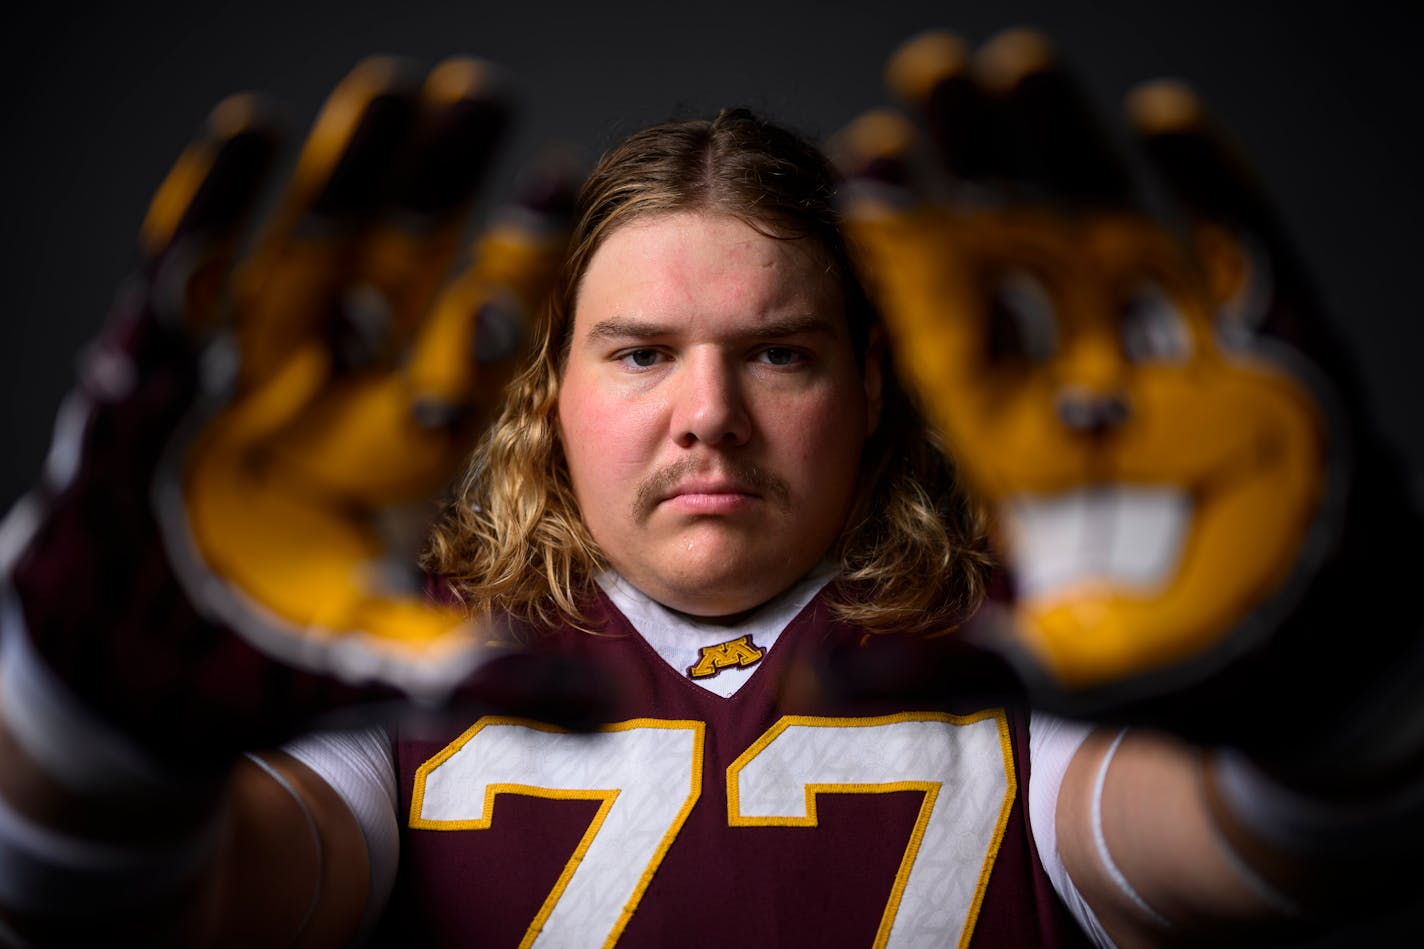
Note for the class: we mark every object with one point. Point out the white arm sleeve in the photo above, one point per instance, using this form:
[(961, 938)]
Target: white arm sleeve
[(359, 766), (1052, 742)]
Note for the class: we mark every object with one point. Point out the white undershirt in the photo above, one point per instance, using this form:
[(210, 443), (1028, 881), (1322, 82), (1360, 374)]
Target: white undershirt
[(1052, 742)]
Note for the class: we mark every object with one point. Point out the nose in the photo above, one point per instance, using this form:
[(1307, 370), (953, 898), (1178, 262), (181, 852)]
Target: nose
[(1091, 413), (711, 406), (1091, 397)]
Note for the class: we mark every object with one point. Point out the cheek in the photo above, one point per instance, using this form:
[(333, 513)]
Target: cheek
[(605, 441), (824, 439)]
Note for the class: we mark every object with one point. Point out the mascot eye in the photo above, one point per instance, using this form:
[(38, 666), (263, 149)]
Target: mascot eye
[(1153, 327), (1022, 321)]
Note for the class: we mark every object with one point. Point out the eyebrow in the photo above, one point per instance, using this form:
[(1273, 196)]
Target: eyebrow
[(618, 327)]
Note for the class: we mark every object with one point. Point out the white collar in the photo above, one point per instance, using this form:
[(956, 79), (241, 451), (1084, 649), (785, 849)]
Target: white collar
[(681, 639)]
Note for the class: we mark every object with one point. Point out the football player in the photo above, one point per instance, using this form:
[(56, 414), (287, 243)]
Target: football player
[(706, 492)]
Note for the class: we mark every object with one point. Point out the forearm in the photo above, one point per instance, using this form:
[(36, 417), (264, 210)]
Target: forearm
[(1170, 844), (1144, 846), (80, 862), (293, 868), (95, 843)]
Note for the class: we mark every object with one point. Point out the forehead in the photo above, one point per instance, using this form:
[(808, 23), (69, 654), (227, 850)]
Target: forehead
[(702, 269)]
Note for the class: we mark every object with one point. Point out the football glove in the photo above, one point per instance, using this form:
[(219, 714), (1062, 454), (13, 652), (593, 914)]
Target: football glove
[(1195, 512), (243, 472)]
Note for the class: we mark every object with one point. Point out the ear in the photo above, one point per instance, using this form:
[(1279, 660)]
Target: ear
[(873, 377), (1238, 274)]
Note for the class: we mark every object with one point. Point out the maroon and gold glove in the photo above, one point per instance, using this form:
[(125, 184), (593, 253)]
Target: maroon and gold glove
[(1193, 507), (244, 470)]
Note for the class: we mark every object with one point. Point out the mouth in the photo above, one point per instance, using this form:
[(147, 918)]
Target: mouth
[(727, 488), (709, 487), (710, 496), (1121, 537)]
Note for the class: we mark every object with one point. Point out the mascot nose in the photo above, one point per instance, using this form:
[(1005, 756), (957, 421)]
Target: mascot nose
[(1092, 413)]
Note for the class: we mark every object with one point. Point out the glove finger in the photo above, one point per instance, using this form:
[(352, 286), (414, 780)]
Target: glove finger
[(931, 75), (138, 378), (877, 156), (189, 234), (465, 113), (408, 249), (1252, 271), (1053, 145), (290, 290), (467, 350), (396, 437), (917, 258)]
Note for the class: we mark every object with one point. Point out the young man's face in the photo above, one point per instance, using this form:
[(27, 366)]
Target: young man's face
[(712, 411)]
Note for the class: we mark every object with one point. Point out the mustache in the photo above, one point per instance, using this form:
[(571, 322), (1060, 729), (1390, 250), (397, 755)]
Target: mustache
[(658, 485)]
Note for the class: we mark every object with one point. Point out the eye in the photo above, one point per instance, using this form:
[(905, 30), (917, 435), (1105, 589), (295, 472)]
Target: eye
[(499, 329), (363, 333), (1023, 324), (1153, 328), (640, 358), (781, 356)]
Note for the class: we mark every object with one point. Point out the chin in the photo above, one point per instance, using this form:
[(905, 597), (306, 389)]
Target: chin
[(711, 601), (716, 590)]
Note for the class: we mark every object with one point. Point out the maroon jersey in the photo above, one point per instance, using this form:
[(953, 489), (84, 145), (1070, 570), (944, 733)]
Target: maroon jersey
[(759, 819)]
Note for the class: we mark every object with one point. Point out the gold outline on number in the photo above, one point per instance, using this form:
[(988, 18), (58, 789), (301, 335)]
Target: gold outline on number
[(931, 789), (605, 796)]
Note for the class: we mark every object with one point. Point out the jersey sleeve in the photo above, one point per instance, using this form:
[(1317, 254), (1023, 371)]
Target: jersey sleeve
[(360, 767), (1052, 743)]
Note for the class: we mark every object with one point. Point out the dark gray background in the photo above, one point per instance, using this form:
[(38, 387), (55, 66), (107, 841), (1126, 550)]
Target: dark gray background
[(99, 100)]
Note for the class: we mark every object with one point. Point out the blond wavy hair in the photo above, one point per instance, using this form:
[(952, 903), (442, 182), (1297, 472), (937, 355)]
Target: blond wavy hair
[(512, 541)]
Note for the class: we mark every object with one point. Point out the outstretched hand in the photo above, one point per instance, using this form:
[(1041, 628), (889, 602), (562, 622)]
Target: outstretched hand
[(1150, 403), (255, 437), (361, 380)]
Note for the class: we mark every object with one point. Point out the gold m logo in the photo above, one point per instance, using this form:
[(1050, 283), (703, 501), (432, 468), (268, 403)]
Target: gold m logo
[(713, 659)]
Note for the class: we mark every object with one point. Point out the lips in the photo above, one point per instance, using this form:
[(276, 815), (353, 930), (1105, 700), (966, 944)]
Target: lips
[(730, 485), (701, 496), (1125, 537), (713, 486)]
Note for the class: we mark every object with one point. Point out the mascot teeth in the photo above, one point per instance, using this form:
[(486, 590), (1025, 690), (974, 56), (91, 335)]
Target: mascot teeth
[(1116, 536)]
